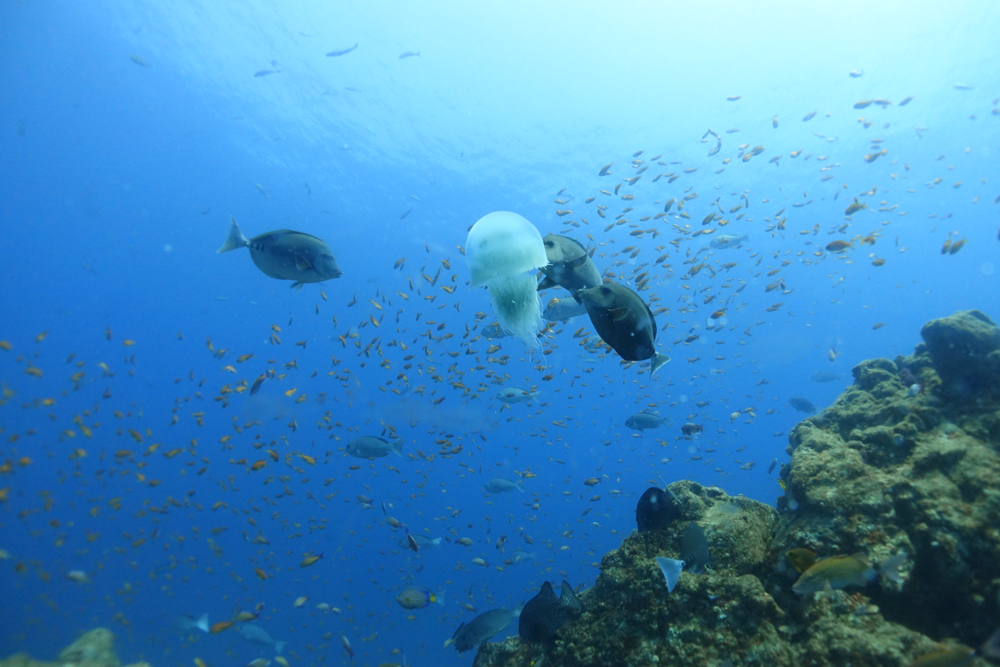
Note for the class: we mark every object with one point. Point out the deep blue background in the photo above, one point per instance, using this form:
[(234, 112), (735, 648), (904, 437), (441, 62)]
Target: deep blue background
[(118, 183)]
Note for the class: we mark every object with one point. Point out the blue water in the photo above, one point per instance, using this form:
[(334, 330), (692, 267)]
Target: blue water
[(119, 176)]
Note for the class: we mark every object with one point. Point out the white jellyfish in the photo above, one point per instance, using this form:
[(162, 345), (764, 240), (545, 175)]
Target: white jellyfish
[(503, 250)]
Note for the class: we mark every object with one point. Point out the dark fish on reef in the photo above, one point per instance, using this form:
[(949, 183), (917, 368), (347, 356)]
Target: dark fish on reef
[(483, 627), (286, 255), (409, 54), (694, 549), (657, 509), (623, 321), (802, 405), (341, 52), (825, 376), (640, 421), (266, 72), (569, 265), (544, 614)]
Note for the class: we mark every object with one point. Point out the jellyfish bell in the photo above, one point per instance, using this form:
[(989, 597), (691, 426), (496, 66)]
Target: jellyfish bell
[(503, 250)]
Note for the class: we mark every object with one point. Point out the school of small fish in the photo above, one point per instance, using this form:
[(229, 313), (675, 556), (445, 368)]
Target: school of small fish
[(649, 259)]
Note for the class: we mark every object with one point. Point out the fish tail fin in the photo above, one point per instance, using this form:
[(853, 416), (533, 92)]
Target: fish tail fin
[(890, 568), (278, 646), (519, 608), (439, 597), (436, 541), (658, 360), (202, 623), (546, 283), (397, 447), (520, 486), (236, 238)]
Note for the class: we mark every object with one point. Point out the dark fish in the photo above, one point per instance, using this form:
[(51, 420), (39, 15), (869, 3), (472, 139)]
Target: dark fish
[(694, 549), (640, 421), (657, 509), (265, 72), (802, 405), (691, 429), (544, 614), (825, 376), (405, 213), (482, 627), (372, 447), (569, 265), (286, 255), (623, 321), (409, 54), (255, 387), (342, 52)]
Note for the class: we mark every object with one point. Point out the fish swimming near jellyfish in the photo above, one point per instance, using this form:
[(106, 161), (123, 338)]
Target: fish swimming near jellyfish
[(286, 255), (563, 310), (570, 266), (625, 322)]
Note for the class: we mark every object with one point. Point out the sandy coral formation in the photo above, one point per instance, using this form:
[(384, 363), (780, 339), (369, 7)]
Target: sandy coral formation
[(907, 459), (92, 649)]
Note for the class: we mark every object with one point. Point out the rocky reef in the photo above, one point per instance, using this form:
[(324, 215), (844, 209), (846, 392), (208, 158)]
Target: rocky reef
[(92, 649), (906, 460)]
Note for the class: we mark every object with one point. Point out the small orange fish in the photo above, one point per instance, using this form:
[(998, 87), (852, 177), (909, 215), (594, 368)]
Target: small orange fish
[(220, 626), (261, 574)]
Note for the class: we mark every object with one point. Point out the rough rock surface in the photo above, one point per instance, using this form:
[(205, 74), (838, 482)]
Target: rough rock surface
[(907, 459), (92, 649)]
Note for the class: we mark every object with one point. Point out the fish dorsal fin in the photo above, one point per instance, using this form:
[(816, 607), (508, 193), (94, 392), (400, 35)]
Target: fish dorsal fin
[(618, 314), (578, 262), (302, 263)]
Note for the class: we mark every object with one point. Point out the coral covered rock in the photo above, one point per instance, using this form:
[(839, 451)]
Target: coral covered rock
[(92, 649), (906, 460), (965, 349)]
